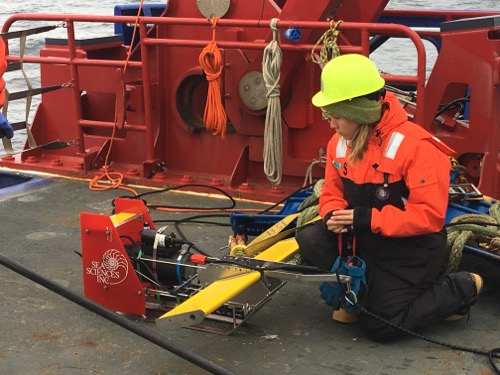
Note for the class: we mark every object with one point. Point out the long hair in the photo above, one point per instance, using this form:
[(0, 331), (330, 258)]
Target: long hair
[(359, 142)]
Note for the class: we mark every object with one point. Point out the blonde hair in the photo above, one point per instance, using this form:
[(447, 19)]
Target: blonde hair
[(359, 143)]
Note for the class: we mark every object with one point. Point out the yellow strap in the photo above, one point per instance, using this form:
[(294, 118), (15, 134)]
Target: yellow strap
[(276, 228), (273, 237)]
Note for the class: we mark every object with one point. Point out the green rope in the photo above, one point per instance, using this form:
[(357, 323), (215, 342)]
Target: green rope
[(309, 208), (461, 234), (295, 260), (308, 211)]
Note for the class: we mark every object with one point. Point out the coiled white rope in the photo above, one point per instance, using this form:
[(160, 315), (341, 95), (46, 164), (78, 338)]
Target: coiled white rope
[(273, 142)]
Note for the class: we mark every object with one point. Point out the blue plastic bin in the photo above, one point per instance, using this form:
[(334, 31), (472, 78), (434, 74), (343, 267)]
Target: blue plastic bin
[(148, 10)]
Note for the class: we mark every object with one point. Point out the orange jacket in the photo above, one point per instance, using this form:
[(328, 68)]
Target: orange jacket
[(3, 67), (400, 187)]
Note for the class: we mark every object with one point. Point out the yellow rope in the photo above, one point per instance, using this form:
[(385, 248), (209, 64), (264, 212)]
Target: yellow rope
[(330, 48)]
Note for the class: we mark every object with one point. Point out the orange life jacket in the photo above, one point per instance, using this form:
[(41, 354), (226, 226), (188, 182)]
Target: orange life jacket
[(403, 177)]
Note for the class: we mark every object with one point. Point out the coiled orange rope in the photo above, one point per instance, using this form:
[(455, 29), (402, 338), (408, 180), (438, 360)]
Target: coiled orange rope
[(210, 59)]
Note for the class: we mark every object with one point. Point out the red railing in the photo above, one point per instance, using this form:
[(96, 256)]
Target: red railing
[(366, 29)]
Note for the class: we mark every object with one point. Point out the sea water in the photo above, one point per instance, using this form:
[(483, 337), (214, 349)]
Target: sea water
[(396, 56)]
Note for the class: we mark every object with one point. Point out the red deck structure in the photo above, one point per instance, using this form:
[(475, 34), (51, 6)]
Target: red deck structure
[(143, 116)]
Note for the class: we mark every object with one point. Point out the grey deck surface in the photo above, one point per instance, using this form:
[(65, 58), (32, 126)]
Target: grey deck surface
[(42, 333)]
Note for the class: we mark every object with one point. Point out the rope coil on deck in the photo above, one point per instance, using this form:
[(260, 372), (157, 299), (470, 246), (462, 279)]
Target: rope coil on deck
[(210, 59), (273, 142), (460, 234)]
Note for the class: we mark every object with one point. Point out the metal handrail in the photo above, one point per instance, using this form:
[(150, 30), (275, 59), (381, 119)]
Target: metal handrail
[(366, 31)]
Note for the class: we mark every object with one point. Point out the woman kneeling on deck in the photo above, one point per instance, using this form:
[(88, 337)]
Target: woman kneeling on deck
[(385, 194)]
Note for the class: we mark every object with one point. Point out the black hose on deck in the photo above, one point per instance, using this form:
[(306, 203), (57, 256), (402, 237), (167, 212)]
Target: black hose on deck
[(126, 323)]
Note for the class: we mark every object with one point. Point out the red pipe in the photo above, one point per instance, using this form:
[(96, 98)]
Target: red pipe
[(448, 15), (146, 78), (222, 21), (74, 80), (75, 61), (365, 29), (109, 125)]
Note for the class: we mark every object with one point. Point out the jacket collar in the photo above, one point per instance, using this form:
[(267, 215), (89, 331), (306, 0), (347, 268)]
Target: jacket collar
[(393, 115)]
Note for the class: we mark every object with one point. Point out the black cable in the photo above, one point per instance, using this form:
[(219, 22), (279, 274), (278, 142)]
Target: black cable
[(122, 321), (193, 246), (286, 198), (223, 192), (232, 205), (151, 273), (132, 241), (275, 266), (182, 221), (457, 103), (191, 219), (458, 106), (491, 354), (141, 262)]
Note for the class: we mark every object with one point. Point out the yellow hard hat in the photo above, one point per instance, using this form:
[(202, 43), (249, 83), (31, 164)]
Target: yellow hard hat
[(346, 77)]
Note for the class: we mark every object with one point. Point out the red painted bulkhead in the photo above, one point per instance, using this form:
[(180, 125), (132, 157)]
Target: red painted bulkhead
[(158, 102)]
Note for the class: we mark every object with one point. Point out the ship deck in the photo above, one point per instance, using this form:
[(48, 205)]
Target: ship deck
[(43, 333)]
